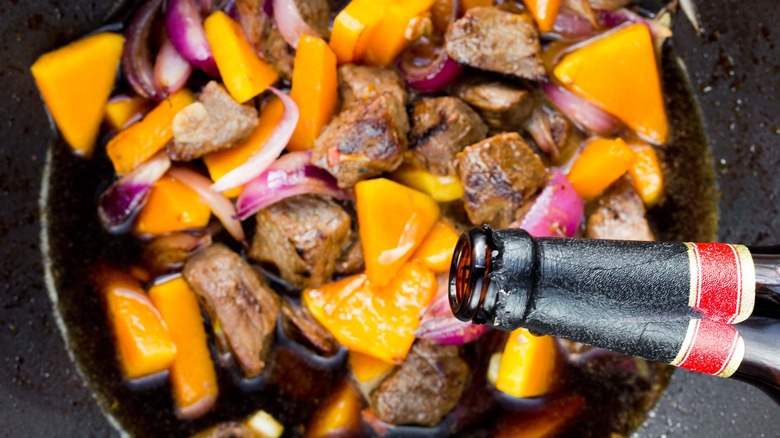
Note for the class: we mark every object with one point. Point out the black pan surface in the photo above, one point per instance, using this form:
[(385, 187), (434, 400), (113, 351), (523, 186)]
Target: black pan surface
[(734, 69)]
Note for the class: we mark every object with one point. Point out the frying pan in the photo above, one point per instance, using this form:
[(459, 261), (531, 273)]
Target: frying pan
[(734, 69)]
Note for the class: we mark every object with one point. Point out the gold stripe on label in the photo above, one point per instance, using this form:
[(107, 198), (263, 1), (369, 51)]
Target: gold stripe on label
[(748, 295), (693, 266), (687, 345), (735, 360)]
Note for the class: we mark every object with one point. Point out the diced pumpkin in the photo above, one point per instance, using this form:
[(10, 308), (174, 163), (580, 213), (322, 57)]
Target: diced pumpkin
[(193, 378), (353, 27), (367, 368), (544, 12), (601, 163), (618, 73), (122, 111), (646, 174), (141, 140), (314, 90), (465, 5), (388, 39), (379, 321), (527, 367), (542, 424), (440, 188), (143, 343), (171, 206), (339, 415), (75, 82), (245, 75), (393, 220), (437, 248), (221, 162)]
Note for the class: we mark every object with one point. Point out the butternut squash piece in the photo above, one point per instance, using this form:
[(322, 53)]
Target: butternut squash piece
[(314, 89), (600, 164), (353, 27), (244, 74), (75, 82), (193, 378), (122, 111), (171, 206), (440, 188), (339, 415), (388, 39), (646, 174), (527, 367), (143, 139), (618, 73), (379, 321), (465, 5), (367, 368), (544, 12), (393, 220), (437, 248)]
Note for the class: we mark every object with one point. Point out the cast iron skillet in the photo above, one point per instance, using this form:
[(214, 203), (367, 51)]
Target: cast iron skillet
[(735, 72)]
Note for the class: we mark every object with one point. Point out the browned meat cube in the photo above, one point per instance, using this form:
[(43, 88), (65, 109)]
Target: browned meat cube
[(302, 238), (424, 388), (273, 49), (363, 141), (502, 105), (442, 127), (299, 324), (619, 215), (351, 259), (358, 83), (213, 123), (499, 175), (316, 13), (234, 294), (495, 40)]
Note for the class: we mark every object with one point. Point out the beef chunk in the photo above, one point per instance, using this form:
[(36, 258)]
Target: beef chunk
[(351, 259), (316, 13), (495, 40), (499, 175), (425, 388), (235, 295), (442, 127), (302, 237), (502, 105), (168, 253), (358, 83), (301, 326), (213, 123), (274, 50), (619, 215), (363, 141)]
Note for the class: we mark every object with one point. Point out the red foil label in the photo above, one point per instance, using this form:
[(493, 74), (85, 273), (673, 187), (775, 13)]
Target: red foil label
[(723, 282), (711, 347)]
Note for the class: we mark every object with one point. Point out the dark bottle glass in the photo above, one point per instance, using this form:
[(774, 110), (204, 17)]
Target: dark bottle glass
[(711, 307)]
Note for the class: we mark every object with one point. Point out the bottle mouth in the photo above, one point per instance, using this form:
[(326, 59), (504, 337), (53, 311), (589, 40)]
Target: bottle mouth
[(468, 272)]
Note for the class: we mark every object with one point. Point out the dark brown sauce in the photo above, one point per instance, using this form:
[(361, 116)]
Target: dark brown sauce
[(618, 390)]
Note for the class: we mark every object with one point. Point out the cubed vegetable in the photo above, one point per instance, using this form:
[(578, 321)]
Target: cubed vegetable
[(437, 248), (367, 368), (440, 188), (600, 164), (353, 27), (193, 378), (527, 367), (646, 174), (544, 12), (388, 39), (393, 221), (618, 73), (171, 206), (244, 74), (339, 415), (379, 321), (465, 5), (122, 111), (75, 82)]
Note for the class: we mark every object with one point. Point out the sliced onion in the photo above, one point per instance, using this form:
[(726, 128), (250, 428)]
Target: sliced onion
[(579, 110), (289, 176), (171, 70), (290, 22), (570, 24), (689, 8), (260, 161), (610, 19), (185, 28), (538, 125), (121, 202), (556, 212), (219, 204), (136, 58), (427, 67), (438, 324)]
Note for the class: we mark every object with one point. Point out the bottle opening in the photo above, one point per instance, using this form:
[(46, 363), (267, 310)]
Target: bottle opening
[(470, 263)]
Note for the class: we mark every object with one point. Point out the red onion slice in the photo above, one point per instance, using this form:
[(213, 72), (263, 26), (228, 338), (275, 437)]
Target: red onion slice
[(136, 58), (570, 24), (171, 70), (276, 143), (610, 19), (220, 205), (290, 22), (538, 125), (185, 28), (123, 200), (435, 75), (579, 110), (438, 324), (556, 212), (290, 175)]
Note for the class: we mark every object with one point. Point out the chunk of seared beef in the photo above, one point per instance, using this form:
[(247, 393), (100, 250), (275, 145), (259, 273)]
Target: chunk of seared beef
[(302, 238), (363, 141), (351, 259), (300, 325), (235, 295), (502, 105), (619, 214), (168, 253), (499, 175), (442, 127), (274, 50), (316, 13), (495, 40), (214, 122), (358, 83), (424, 388)]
